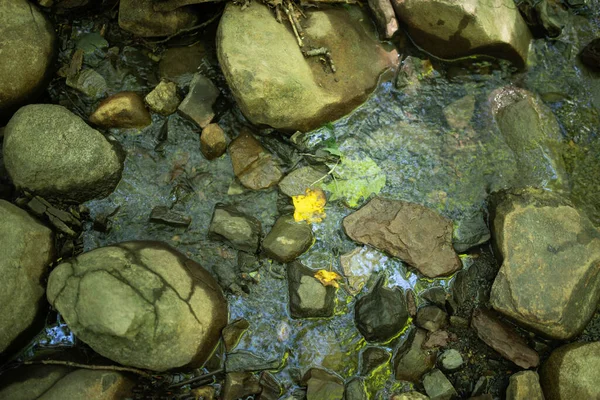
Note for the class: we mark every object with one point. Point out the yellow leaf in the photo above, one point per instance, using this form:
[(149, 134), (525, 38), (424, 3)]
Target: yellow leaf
[(328, 278), (310, 207)]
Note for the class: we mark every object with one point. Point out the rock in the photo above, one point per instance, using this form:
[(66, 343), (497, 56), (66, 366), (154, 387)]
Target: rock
[(372, 358), (384, 17), (437, 386), (197, 105), (240, 385), (271, 388), (180, 63), (139, 18), (163, 99), (296, 182), (471, 230), (381, 314), (358, 265), (288, 239), (170, 5), (590, 55), (89, 82), (309, 298), (431, 318), (451, 360), (412, 395), (213, 142), (504, 339), (141, 304), (539, 153), (252, 164), (412, 71), (437, 339), (411, 361), (122, 110), (233, 332), (544, 18), (28, 45), (275, 85), (549, 250), (323, 385), (73, 161), (355, 390), (450, 29), (571, 372), (59, 383), (524, 385), (237, 229), (27, 249), (459, 113), (162, 215), (389, 225), (435, 295), (241, 361)]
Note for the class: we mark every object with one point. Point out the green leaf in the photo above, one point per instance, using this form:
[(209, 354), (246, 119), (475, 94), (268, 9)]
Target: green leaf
[(332, 147), (355, 179)]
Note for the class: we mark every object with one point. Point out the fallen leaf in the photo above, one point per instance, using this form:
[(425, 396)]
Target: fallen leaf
[(310, 207), (328, 278)]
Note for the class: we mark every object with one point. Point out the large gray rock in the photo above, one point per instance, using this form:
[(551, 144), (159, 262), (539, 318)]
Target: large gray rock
[(452, 29), (309, 298), (275, 85), (389, 225), (26, 248), (571, 372), (532, 132), (51, 382), (50, 151), (549, 279), (140, 18), (141, 304), (27, 49)]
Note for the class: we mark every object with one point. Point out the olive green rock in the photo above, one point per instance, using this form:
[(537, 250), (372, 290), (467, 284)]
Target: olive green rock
[(288, 239), (571, 372), (27, 49), (524, 385), (140, 18), (549, 280), (52, 152), (27, 249), (141, 304)]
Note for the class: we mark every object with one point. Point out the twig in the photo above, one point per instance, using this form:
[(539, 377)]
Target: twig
[(327, 174), (196, 379), (94, 367), (322, 51), (187, 30), (289, 15)]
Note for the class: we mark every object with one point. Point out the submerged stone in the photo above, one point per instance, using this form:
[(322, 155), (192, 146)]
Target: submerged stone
[(141, 304), (438, 387), (549, 279), (296, 182), (431, 318), (140, 18), (275, 85), (371, 358), (309, 298), (323, 385), (88, 82), (288, 239), (253, 165), (235, 228), (411, 360), (197, 105), (239, 385), (163, 99), (122, 110)]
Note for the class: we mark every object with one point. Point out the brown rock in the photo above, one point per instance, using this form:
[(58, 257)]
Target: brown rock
[(384, 16), (252, 164), (213, 142), (438, 339), (139, 18), (163, 99), (178, 61), (504, 339), (122, 110), (391, 226), (411, 360), (233, 332)]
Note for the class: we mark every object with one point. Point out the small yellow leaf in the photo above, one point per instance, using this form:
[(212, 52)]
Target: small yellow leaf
[(310, 207), (328, 278)]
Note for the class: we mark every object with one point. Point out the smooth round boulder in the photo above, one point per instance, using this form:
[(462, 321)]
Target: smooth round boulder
[(141, 304), (27, 45), (27, 248), (52, 152)]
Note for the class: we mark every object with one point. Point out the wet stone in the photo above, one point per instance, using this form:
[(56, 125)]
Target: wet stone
[(373, 357), (438, 387), (431, 318), (213, 142), (271, 388), (451, 360), (179, 63), (438, 339), (590, 55), (571, 372), (358, 266), (323, 385), (411, 303), (504, 339), (241, 361), (123, 110), (524, 385), (309, 298), (412, 395), (355, 390), (247, 262), (296, 182), (237, 229), (471, 230), (140, 18), (239, 385), (233, 332), (436, 295), (389, 225), (163, 99), (162, 215), (197, 105), (89, 82), (411, 361), (288, 239), (254, 166), (381, 314)]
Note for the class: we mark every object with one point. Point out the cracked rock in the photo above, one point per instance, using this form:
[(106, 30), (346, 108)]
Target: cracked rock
[(141, 304)]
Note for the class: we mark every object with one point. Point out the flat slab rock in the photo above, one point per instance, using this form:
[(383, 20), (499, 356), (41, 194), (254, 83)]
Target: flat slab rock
[(549, 280), (411, 232)]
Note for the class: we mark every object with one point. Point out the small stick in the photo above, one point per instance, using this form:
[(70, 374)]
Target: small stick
[(289, 15), (196, 379), (94, 367)]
